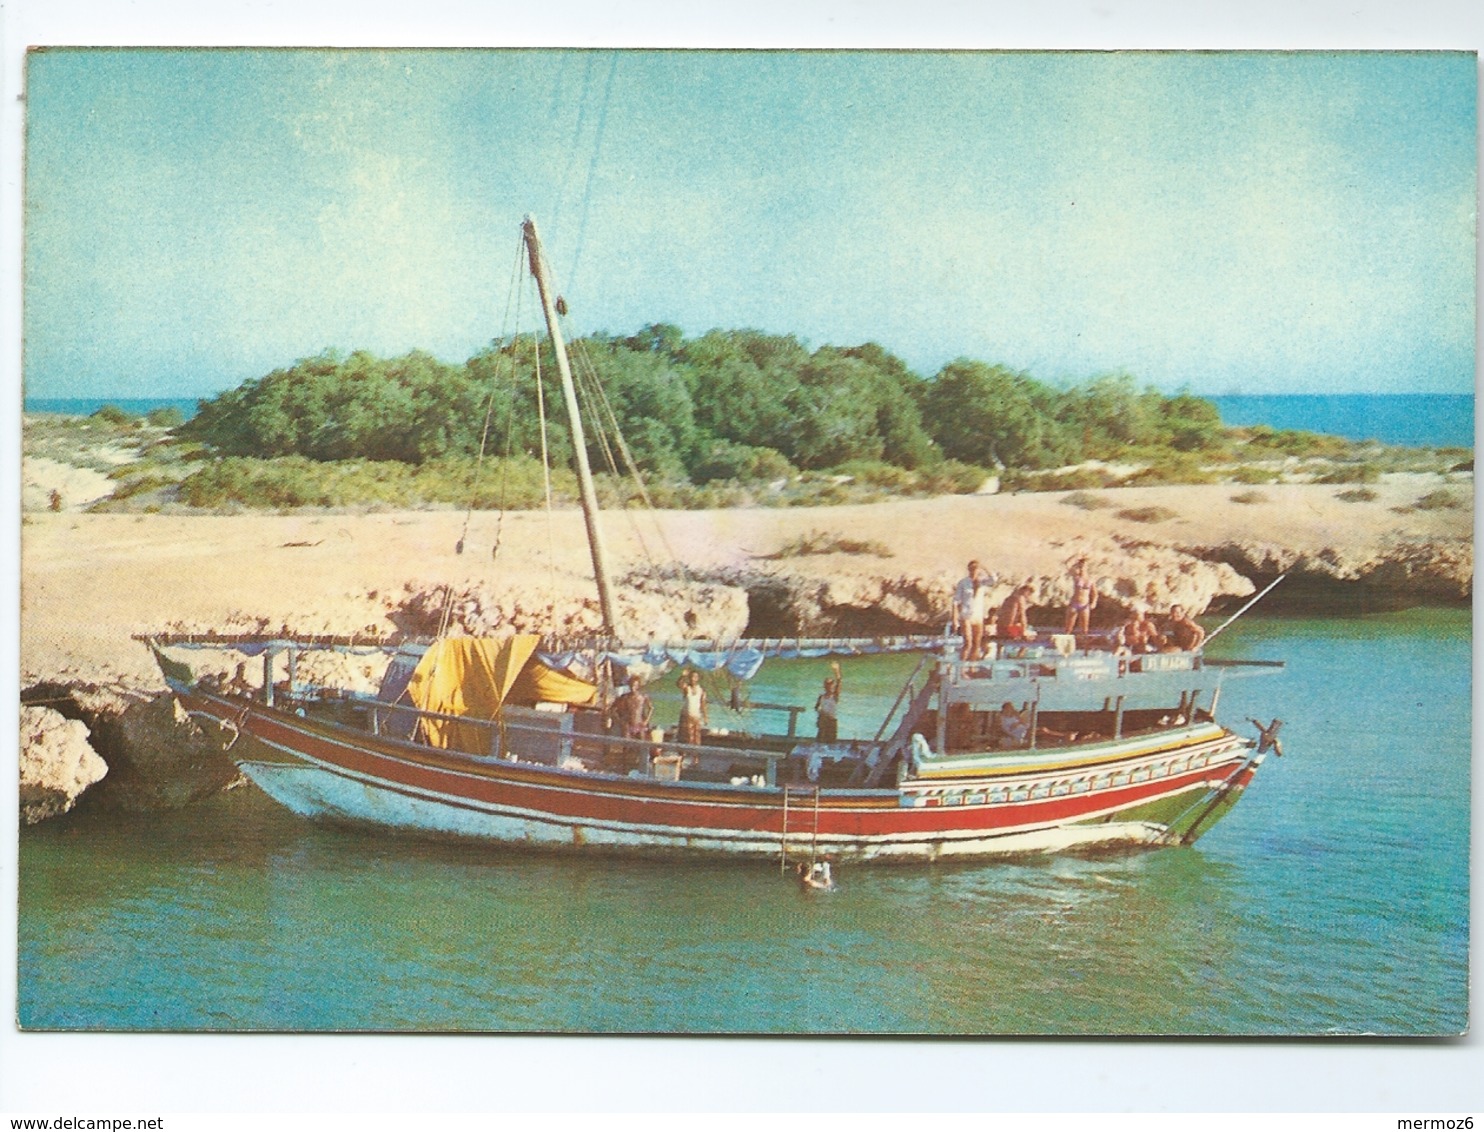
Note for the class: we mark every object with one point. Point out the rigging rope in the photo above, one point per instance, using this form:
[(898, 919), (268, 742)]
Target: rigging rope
[(611, 421), (545, 464), (512, 296), (587, 188)]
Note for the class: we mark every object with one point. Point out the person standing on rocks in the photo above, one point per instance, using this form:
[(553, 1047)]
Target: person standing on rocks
[(692, 707)]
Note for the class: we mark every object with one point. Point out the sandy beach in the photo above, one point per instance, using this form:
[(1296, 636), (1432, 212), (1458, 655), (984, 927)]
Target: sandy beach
[(92, 581)]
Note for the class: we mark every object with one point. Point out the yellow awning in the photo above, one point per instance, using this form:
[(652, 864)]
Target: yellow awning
[(476, 677)]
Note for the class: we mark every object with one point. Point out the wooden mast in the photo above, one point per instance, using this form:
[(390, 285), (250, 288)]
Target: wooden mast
[(579, 440)]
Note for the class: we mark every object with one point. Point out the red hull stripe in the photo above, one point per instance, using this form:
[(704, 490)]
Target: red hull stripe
[(568, 797)]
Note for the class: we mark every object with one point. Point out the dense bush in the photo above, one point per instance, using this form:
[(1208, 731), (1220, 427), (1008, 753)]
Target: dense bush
[(294, 481), (739, 407)]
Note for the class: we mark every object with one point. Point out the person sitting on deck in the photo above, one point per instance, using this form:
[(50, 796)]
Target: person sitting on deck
[(692, 708), (1012, 620), (828, 706), (1184, 634), (1013, 728), (1138, 634), (1084, 599)]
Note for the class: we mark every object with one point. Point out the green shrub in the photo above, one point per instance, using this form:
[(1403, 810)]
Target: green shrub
[(1356, 495), (743, 462), (952, 477), (293, 481), (166, 416), (1172, 467), (113, 415), (1245, 474), (1438, 500), (1148, 514), (1351, 473), (1292, 441), (1016, 479), (1086, 500), (824, 542)]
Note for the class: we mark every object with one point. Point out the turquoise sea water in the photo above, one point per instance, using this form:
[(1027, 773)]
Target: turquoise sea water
[(1436, 419), (1334, 899), (86, 406), (1443, 420)]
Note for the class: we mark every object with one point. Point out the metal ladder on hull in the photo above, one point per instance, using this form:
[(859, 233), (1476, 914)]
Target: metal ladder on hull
[(813, 830)]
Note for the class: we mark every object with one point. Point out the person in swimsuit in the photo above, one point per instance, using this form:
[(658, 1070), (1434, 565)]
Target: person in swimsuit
[(1138, 634), (692, 708), (1084, 599), (964, 612), (1185, 634), (634, 710), (828, 707), (1012, 619)]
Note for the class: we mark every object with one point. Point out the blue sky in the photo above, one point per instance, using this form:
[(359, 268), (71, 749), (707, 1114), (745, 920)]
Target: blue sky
[(1256, 223)]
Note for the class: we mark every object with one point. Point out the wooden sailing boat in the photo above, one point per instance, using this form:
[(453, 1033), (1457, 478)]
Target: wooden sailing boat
[(1043, 747)]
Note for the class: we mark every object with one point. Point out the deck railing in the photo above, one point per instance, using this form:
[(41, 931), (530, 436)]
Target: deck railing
[(1043, 663), (666, 759)]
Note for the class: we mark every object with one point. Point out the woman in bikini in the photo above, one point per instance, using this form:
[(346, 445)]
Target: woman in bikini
[(1084, 599)]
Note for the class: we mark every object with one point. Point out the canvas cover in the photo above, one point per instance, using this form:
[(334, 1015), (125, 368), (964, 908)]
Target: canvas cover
[(476, 677)]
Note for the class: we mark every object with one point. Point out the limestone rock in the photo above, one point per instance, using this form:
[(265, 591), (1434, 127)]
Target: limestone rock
[(1437, 568), (162, 760), (57, 763), (647, 606)]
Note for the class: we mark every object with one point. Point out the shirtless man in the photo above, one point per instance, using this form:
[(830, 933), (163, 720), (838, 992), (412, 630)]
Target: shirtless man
[(1084, 599), (1138, 634), (633, 710), (1185, 634), (1012, 622)]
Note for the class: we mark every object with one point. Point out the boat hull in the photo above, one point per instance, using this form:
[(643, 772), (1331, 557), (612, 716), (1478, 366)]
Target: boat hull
[(1157, 792)]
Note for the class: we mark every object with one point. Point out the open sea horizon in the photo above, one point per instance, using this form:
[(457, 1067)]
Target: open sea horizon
[(1419, 420)]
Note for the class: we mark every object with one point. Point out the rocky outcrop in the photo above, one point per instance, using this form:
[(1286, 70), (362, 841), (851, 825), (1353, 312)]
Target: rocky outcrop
[(648, 605), (1433, 569), (156, 757), (809, 599), (57, 763)]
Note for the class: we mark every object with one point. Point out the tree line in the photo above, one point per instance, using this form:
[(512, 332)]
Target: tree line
[(727, 405)]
